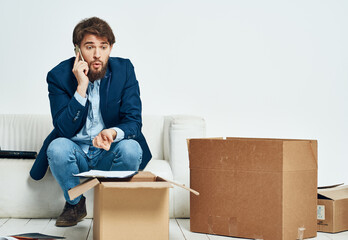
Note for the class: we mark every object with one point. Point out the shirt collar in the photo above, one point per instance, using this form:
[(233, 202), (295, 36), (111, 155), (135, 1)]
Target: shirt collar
[(96, 83)]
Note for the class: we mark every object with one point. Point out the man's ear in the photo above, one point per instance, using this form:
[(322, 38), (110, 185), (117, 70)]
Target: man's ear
[(111, 47)]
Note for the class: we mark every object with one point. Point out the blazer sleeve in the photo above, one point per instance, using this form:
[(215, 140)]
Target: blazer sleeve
[(130, 109), (67, 113)]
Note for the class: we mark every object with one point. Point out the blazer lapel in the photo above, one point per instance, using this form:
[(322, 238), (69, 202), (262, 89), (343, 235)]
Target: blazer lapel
[(104, 92)]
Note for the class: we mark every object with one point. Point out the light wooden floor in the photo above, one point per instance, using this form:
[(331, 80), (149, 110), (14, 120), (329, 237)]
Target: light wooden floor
[(178, 230)]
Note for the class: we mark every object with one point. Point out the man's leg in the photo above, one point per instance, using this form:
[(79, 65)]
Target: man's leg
[(125, 155), (65, 159)]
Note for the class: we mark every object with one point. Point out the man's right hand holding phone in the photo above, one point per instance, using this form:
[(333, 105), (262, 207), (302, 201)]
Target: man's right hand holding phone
[(80, 71)]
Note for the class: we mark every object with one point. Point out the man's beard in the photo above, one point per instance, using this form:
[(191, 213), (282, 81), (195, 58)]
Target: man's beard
[(95, 75)]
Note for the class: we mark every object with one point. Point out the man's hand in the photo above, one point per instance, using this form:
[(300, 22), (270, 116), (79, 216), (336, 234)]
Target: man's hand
[(104, 139), (80, 71)]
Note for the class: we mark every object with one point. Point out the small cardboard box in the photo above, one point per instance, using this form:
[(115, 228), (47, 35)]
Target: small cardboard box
[(254, 188), (332, 212), (133, 208)]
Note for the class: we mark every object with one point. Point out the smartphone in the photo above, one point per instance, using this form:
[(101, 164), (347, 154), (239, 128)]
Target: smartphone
[(77, 49)]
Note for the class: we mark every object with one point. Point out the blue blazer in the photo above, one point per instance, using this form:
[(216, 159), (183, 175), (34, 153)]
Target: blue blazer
[(120, 107)]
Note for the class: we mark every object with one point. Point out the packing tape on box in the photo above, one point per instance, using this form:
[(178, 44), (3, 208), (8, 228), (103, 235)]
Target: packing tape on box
[(301, 232), (210, 224), (232, 224)]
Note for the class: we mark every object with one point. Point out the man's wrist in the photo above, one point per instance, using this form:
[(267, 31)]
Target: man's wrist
[(82, 89), (119, 134), (114, 133), (80, 99)]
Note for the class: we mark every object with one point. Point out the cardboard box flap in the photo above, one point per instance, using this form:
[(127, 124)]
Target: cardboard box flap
[(178, 184), (129, 185), (92, 182), (331, 186), (300, 155), (142, 179), (334, 193), (144, 176), (83, 187), (267, 139), (235, 154), (245, 154)]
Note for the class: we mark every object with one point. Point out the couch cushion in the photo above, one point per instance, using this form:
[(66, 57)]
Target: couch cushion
[(160, 168), (25, 197), (153, 132), (24, 132)]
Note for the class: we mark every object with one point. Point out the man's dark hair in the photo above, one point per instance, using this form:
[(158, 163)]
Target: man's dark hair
[(95, 26)]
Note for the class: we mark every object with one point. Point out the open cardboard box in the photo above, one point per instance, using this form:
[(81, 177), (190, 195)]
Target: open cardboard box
[(253, 187), (332, 213), (131, 208)]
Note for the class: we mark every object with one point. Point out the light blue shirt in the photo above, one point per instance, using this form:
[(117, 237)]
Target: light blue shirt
[(94, 123)]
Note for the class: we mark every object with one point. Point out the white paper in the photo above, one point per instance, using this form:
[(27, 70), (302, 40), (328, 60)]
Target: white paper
[(106, 174)]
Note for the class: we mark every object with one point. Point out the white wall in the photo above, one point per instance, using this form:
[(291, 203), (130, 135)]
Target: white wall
[(252, 68)]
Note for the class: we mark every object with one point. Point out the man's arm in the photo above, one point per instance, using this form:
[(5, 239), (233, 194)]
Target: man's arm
[(67, 111), (130, 109)]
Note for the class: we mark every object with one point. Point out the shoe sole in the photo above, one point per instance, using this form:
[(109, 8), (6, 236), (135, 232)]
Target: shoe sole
[(69, 224)]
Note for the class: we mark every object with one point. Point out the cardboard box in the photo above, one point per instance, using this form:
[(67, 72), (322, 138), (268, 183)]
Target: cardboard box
[(254, 188), (133, 208), (332, 212)]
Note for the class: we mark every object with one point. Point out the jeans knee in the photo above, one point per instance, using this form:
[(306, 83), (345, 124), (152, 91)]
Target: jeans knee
[(131, 154), (59, 150)]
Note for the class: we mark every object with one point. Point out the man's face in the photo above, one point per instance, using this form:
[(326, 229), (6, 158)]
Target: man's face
[(95, 51)]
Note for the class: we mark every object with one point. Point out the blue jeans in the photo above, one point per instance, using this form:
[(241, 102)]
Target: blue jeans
[(66, 158)]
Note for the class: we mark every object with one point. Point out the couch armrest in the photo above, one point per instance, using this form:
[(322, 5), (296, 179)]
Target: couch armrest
[(178, 128)]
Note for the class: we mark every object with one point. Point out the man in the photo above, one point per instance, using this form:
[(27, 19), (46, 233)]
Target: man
[(96, 111)]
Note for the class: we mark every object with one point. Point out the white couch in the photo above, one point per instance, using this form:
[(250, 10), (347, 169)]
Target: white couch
[(23, 197)]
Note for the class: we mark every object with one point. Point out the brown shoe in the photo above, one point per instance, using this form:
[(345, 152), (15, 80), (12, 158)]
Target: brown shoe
[(72, 214)]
